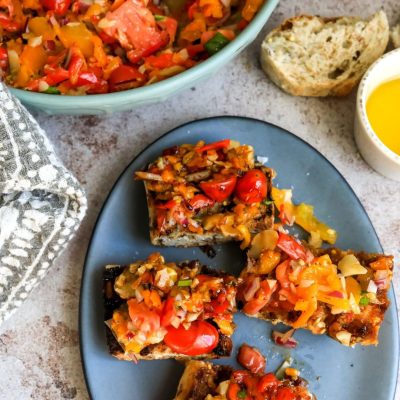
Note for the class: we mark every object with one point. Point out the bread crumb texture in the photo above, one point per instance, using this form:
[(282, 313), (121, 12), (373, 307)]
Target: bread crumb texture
[(315, 56)]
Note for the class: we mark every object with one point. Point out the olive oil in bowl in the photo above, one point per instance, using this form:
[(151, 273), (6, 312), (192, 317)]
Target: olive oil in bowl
[(383, 111)]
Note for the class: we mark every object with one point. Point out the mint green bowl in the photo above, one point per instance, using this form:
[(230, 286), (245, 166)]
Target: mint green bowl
[(128, 99)]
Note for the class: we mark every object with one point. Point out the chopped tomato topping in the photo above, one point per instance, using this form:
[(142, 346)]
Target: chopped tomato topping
[(251, 359), (200, 201), (291, 247), (252, 187), (142, 317), (200, 338), (219, 189), (222, 144)]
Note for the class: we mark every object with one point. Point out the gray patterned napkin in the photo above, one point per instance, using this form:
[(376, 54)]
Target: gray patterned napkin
[(41, 204)]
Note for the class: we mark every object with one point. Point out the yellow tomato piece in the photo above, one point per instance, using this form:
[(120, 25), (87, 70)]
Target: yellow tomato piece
[(304, 216), (211, 8), (342, 304), (39, 26), (268, 260), (194, 30), (133, 347), (307, 293), (354, 288), (32, 60), (76, 34), (225, 326), (250, 8), (308, 307)]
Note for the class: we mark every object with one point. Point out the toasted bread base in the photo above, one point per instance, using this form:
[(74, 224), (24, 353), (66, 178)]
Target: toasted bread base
[(365, 326), (158, 351)]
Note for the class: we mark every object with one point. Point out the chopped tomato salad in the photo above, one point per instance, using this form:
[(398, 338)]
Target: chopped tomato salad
[(77, 47)]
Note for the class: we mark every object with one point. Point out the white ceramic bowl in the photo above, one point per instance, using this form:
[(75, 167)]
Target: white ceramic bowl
[(372, 149)]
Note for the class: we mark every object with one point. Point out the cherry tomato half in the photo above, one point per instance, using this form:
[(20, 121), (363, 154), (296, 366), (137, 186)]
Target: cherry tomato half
[(60, 7), (252, 187), (219, 189), (200, 338), (251, 359)]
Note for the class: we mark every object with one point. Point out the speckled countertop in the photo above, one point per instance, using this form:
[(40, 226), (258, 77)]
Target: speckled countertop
[(39, 347)]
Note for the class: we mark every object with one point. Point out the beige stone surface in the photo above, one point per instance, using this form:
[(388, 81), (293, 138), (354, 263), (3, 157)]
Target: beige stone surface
[(39, 349)]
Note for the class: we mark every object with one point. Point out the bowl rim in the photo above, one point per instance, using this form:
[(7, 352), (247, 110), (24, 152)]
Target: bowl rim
[(176, 81), (362, 105)]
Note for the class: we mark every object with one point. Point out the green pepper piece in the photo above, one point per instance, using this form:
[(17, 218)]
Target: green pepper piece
[(185, 282), (242, 394), (52, 90), (216, 43), (364, 301)]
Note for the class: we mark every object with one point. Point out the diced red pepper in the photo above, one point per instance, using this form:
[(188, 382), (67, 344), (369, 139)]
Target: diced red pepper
[(125, 73), (168, 312), (8, 24), (193, 8), (60, 7), (200, 201), (55, 75), (170, 25), (161, 61), (233, 391), (166, 206), (242, 24), (107, 39), (285, 394), (291, 247), (195, 49), (3, 58), (222, 144), (87, 78), (76, 66)]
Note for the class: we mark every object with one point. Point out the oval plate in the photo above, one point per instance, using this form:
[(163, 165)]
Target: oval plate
[(121, 236)]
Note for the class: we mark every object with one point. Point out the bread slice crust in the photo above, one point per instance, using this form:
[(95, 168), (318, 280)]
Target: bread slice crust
[(360, 327), (315, 56), (183, 213), (201, 380), (158, 351)]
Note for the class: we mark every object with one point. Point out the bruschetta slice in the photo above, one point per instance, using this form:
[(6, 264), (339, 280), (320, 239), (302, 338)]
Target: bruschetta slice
[(341, 293), (207, 193), (159, 310), (206, 381)]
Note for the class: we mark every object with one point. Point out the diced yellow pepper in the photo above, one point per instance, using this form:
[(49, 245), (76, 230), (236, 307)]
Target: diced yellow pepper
[(354, 288)]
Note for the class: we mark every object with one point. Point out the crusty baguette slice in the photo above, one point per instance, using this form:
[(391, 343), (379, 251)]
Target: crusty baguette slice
[(159, 351), (203, 381), (315, 56), (349, 328), (395, 35)]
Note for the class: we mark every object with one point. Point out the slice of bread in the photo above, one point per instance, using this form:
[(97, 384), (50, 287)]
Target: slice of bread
[(395, 35), (314, 56)]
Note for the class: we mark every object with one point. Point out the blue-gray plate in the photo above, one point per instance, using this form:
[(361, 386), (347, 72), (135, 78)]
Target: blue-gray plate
[(121, 235)]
